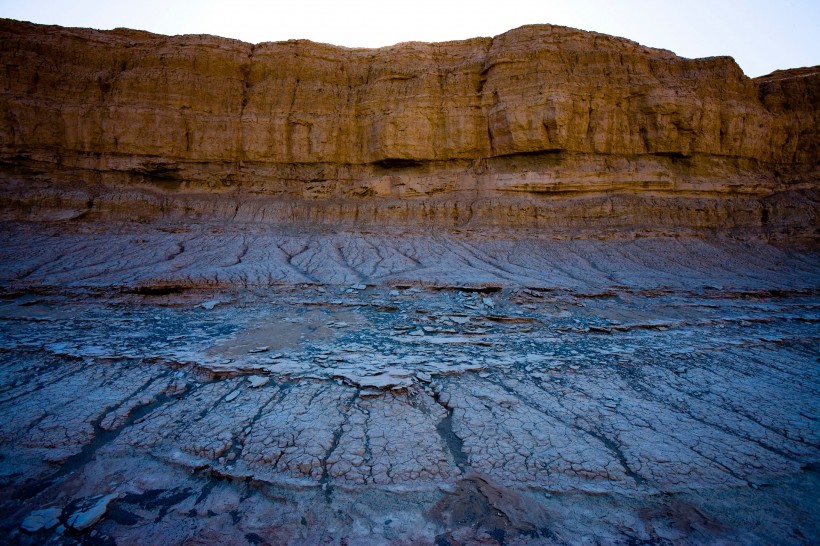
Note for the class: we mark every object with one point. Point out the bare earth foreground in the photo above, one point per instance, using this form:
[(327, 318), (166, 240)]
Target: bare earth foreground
[(551, 287), (644, 390)]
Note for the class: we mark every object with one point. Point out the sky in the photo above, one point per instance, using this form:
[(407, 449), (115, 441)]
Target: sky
[(762, 35)]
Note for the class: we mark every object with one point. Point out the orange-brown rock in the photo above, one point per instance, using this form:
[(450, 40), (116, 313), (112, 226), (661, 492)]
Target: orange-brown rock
[(544, 127)]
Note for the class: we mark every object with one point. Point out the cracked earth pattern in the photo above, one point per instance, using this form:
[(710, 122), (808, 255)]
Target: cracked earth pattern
[(195, 255), (396, 413)]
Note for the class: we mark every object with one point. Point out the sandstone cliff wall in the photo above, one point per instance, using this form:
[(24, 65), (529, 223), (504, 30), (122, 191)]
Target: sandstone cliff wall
[(543, 126)]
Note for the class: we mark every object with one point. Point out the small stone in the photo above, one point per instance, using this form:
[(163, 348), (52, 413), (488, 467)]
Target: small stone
[(41, 519), (260, 350), (232, 396), (210, 304), (87, 518), (359, 286), (258, 380), (460, 320), (488, 302)]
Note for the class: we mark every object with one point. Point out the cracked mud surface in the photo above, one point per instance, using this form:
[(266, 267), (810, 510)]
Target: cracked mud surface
[(378, 412)]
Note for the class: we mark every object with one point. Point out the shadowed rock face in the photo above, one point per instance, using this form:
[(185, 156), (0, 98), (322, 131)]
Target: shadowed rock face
[(544, 127)]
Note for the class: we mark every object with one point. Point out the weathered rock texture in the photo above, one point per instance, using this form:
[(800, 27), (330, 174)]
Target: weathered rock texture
[(224, 373), (543, 127)]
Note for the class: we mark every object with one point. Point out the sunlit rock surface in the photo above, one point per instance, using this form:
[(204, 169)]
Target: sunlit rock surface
[(551, 287), (543, 127)]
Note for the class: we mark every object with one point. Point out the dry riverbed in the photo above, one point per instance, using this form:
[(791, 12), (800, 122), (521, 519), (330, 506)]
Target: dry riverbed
[(370, 414)]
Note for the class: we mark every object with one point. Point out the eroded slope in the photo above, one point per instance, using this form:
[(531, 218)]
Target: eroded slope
[(524, 129)]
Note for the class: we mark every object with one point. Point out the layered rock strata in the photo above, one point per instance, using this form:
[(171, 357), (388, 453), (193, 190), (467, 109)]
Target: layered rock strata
[(542, 127), (509, 363)]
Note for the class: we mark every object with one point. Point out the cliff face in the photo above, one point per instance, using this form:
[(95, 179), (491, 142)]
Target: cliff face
[(543, 127)]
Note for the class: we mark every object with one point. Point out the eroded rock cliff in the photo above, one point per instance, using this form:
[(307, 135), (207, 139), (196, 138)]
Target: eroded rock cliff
[(544, 127), (428, 294)]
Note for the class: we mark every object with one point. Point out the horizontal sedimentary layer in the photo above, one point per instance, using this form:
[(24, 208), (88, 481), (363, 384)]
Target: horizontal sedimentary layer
[(531, 89), (557, 193), (590, 216), (166, 258), (542, 127)]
